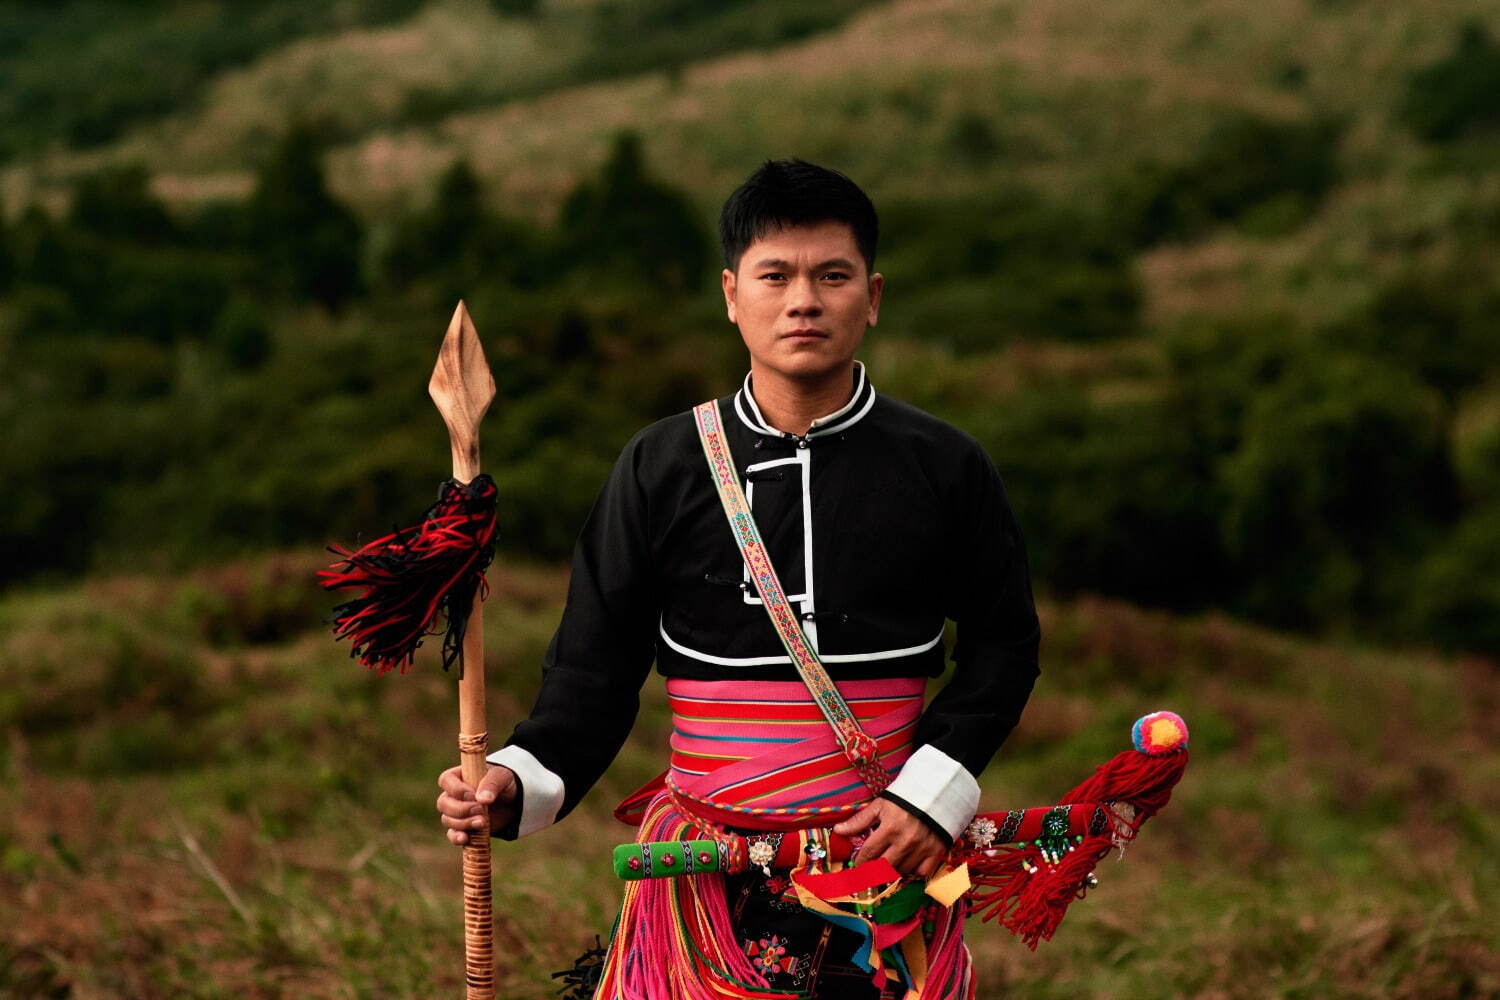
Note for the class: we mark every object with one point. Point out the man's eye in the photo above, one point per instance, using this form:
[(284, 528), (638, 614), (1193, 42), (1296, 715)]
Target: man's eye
[(774, 275), (836, 276)]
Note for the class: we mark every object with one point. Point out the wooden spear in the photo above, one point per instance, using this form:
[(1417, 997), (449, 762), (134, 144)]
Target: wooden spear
[(463, 388)]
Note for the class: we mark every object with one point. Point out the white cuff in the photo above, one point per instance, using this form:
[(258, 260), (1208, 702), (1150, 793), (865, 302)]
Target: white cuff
[(542, 790), (939, 786)]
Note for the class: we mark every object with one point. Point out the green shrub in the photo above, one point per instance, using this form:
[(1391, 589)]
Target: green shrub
[(1439, 325), (7, 254), (242, 335), (91, 272), (1339, 475), (517, 8), (1111, 499), (664, 33), (971, 137), (263, 602), (1455, 593), (140, 744), (1456, 94), (1477, 459), (116, 202), (1273, 173), (1021, 266)]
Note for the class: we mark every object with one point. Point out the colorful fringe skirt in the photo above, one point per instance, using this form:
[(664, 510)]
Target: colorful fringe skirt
[(759, 758)]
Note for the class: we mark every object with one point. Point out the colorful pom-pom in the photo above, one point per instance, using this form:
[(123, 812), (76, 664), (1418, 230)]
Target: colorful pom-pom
[(1159, 733)]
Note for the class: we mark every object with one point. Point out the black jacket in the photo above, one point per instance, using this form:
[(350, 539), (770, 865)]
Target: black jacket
[(882, 522)]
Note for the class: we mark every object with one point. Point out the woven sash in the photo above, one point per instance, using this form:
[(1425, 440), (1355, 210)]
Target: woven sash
[(760, 755), (858, 746)]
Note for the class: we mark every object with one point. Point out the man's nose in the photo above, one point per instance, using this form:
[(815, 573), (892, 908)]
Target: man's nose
[(804, 299)]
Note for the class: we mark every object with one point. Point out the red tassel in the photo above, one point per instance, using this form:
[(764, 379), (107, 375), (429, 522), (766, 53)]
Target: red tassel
[(412, 575), (1030, 891), (1045, 897), (1144, 780)]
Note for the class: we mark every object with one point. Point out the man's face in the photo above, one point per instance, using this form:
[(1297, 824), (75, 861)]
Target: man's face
[(803, 299)]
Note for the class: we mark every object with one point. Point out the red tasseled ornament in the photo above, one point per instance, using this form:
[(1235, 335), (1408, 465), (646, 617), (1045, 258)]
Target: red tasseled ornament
[(1031, 894), (1144, 780), (412, 574)]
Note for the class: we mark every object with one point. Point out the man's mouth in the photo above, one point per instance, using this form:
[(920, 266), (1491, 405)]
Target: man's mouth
[(806, 334)]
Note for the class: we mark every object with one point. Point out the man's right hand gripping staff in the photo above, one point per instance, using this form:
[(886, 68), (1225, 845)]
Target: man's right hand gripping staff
[(462, 807)]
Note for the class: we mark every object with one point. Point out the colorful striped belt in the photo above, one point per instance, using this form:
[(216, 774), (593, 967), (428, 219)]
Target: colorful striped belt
[(761, 755)]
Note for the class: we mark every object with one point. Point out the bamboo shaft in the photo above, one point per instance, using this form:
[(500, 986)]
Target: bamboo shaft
[(479, 937), (473, 744)]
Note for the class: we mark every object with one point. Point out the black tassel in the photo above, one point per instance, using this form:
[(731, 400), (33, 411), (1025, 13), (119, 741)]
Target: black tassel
[(580, 982), (412, 575)]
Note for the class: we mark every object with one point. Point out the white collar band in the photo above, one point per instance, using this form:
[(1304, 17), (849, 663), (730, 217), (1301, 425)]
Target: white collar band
[(841, 419)]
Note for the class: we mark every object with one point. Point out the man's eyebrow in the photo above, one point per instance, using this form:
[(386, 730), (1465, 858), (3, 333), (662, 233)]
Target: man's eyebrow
[(784, 265)]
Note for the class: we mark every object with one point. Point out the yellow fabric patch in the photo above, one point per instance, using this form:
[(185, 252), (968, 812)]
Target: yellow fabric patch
[(949, 885)]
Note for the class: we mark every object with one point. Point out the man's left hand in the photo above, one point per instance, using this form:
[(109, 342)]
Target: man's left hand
[(896, 835)]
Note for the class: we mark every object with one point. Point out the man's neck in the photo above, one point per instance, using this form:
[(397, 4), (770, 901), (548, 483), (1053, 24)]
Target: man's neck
[(791, 405)]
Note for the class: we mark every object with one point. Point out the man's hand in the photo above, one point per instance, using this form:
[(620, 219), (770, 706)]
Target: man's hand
[(463, 808), (896, 835)]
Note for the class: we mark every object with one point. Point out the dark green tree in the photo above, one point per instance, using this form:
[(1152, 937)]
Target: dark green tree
[(1114, 499), (7, 254), (1340, 475), (1010, 263), (116, 203), (628, 225), (1456, 94), (1244, 165), (1440, 326), (517, 8), (1455, 593), (242, 335), (460, 245), (307, 243)]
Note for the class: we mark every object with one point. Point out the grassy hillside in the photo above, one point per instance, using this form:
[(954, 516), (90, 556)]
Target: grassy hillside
[(1209, 281), (204, 797), (918, 100)]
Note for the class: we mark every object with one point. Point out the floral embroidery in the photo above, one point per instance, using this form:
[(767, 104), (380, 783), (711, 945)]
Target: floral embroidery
[(768, 955)]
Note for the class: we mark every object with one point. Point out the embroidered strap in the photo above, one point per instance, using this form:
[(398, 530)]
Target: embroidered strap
[(857, 745)]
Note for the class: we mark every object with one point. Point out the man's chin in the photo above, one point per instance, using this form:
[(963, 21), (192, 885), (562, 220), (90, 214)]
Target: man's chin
[(810, 369)]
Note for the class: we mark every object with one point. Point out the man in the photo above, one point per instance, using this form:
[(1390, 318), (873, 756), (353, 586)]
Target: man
[(881, 522)]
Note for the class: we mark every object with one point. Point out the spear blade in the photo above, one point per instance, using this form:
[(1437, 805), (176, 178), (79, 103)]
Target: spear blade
[(463, 388)]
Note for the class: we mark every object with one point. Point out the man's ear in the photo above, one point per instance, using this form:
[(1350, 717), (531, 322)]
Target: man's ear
[(877, 285), (727, 279)]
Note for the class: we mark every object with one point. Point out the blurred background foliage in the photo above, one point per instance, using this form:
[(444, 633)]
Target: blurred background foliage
[(1211, 377), (1213, 283)]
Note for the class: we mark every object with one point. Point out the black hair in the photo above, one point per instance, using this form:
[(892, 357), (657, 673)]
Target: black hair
[(794, 193)]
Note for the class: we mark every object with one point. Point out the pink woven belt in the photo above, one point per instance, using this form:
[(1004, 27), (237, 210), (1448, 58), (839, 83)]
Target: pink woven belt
[(743, 750)]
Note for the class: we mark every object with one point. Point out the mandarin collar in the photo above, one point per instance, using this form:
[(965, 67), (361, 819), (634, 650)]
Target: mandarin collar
[(841, 419)]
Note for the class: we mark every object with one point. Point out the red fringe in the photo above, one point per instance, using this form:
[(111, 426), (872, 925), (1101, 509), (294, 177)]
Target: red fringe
[(1031, 901), (1144, 781), (412, 575)]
